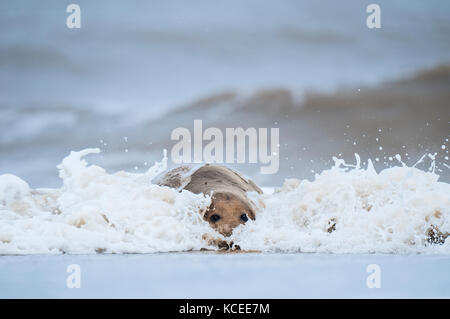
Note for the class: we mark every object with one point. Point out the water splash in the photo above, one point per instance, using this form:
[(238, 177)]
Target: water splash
[(346, 209)]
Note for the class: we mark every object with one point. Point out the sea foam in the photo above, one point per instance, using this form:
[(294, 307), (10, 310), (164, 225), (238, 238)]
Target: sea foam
[(346, 209), (99, 212), (349, 209)]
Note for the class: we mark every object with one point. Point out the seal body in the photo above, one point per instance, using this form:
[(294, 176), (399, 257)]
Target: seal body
[(230, 206)]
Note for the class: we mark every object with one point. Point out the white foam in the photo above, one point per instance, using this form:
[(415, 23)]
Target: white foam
[(389, 212), (386, 212), (97, 211)]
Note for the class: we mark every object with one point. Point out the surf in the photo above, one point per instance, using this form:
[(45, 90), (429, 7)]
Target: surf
[(348, 208)]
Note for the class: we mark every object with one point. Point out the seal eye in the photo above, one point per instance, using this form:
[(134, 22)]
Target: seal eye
[(215, 218), (244, 217)]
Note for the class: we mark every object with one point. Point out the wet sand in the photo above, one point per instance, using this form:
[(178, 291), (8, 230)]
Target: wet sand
[(206, 275)]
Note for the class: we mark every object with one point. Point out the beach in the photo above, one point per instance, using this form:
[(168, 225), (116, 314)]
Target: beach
[(200, 275), (361, 183)]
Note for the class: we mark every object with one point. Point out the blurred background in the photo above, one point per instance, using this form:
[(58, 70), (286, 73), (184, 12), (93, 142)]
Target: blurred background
[(136, 70)]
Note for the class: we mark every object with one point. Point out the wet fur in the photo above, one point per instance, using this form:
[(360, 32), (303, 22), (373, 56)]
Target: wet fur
[(228, 191)]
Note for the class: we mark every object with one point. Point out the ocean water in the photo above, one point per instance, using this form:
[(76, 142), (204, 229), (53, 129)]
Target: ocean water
[(131, 64), (137, 70)]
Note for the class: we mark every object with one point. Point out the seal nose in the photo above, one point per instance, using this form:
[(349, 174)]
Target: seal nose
[(226, 230)]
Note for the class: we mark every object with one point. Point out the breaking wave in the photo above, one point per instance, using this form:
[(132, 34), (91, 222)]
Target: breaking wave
[(345, 209)]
